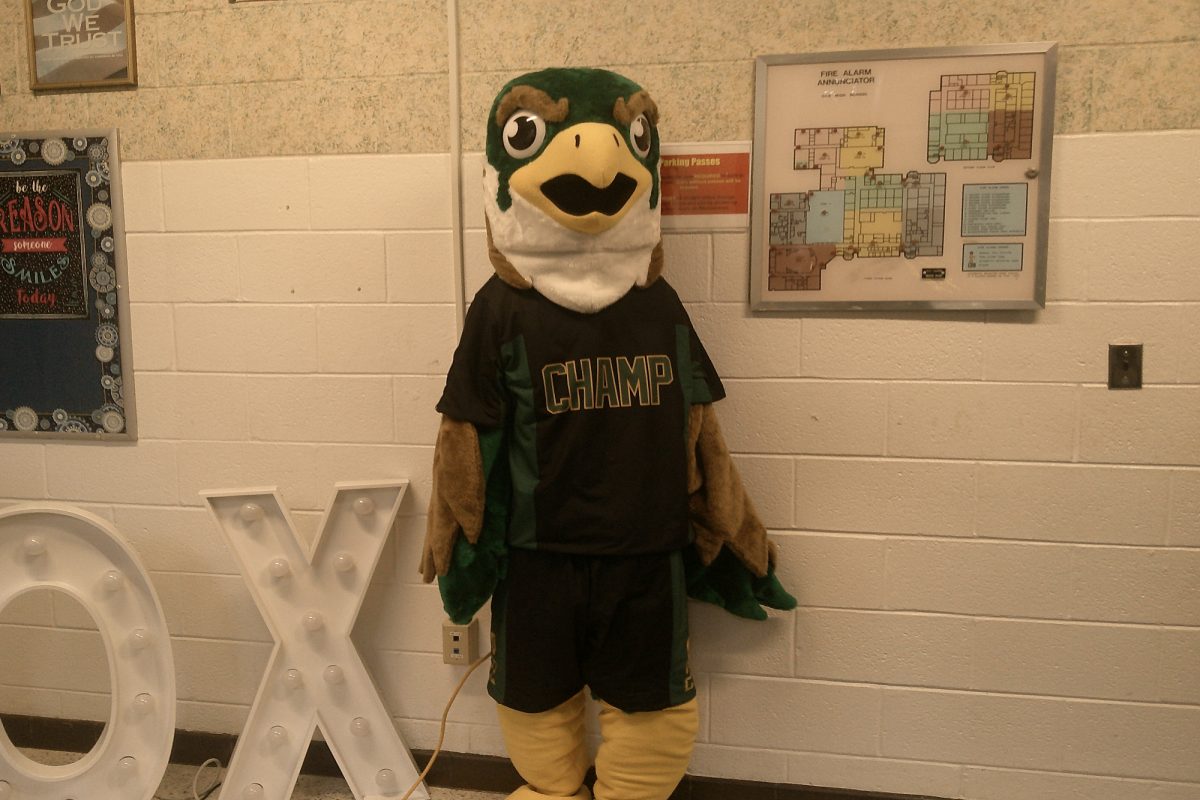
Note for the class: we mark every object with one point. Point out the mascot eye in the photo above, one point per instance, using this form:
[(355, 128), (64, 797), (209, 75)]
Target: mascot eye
[(639, 134), (523, 134)]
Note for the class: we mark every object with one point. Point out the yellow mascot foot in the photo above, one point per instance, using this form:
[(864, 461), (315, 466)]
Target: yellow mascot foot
[(527, 793), (644, 754), (549, 750)]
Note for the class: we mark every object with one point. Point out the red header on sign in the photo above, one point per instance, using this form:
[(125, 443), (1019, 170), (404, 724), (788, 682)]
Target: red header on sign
[(34, 245), (706, 183)]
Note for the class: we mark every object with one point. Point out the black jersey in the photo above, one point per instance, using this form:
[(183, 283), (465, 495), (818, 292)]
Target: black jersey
[(594, 408)]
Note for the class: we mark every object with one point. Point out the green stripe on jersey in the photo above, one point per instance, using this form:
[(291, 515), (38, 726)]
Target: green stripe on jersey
[(522, 531), (693, 377), (683, 358)]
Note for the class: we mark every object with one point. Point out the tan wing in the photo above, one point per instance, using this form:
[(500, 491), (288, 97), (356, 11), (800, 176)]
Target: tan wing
[(721, 511), (458, 495)]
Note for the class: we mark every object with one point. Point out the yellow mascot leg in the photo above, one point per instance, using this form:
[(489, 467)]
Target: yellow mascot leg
[(549, 749), (643, 755)]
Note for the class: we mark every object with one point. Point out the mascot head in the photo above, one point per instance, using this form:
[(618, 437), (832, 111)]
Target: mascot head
[(571, 186)]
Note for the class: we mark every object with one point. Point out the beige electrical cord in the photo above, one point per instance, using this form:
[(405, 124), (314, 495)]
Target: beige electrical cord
[(202, 795), (442, 731), (197, 794)]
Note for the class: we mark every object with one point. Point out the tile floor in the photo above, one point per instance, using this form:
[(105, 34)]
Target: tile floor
[(177, 782)]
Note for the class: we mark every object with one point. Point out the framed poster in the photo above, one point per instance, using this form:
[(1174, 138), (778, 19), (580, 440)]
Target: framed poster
[(902, 179), (79, 44), (65, 367)]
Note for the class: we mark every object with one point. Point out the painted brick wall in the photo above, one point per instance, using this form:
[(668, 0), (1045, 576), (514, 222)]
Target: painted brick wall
[(996, 557)]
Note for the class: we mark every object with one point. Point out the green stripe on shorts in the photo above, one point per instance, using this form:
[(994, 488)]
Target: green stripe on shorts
[(682, 687), (497, 676)]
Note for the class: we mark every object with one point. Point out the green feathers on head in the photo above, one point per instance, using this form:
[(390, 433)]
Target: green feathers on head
[(591, 95)]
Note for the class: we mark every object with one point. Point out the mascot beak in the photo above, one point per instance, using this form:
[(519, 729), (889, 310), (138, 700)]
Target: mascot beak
[(586, 179)]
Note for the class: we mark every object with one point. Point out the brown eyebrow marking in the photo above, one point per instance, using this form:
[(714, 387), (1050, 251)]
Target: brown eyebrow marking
[(531, 99), (641, 103)]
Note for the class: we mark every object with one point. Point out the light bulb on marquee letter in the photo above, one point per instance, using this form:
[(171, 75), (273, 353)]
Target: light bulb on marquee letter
[(143, 703), (279, 568), (250, 513), (34, 546), (112, 581), (139, 640), (311, 618)]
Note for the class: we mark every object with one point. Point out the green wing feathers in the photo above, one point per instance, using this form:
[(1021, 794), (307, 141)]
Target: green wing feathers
[(731, 563)]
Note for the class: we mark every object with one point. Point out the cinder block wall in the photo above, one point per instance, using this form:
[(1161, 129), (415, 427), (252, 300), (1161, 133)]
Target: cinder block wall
[(996, 557)]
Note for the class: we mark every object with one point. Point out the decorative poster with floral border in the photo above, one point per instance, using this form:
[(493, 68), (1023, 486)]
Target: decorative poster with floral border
[(65, 367)]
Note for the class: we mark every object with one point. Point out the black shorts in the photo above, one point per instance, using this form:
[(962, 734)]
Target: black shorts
[(617, 624)]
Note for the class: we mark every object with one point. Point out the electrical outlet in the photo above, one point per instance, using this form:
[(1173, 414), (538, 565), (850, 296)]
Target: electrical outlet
[(1124, 366), (460, 643)]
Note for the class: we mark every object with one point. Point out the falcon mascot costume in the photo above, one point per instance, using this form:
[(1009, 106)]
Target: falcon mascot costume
[(581, 481)]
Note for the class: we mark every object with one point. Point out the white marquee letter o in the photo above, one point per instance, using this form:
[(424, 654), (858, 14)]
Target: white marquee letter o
[(65, 548)]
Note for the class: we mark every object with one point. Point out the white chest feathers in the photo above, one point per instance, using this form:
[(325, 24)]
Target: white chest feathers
[(580, 271)]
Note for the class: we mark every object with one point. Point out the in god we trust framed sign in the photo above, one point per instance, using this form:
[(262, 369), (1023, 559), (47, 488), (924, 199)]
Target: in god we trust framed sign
[(77, 44), (65, 368)]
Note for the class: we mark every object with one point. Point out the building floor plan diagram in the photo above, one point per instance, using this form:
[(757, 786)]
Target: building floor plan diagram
[(903, 179), (859, 210), (973, 117)]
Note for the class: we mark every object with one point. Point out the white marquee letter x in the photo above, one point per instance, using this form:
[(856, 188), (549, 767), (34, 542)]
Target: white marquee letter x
[(315, 676)]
